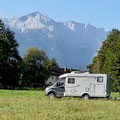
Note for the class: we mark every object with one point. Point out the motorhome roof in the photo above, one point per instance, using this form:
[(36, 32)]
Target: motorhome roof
[(64, 75), (80, 74)]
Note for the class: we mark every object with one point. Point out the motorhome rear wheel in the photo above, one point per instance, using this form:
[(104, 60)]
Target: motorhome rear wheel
[(85, 96)]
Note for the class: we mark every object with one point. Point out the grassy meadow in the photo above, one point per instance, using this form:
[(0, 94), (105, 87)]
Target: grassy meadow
[(33, 105)]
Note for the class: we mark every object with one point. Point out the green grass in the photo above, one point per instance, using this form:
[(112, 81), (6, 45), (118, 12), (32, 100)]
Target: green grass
[(33, 105), (115, 94)]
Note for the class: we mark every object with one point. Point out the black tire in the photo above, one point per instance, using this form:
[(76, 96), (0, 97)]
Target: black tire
[(85, 96), (108, 98), (51, 95)]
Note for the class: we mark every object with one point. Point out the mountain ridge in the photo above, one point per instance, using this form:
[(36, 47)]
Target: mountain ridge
[(61, 40)]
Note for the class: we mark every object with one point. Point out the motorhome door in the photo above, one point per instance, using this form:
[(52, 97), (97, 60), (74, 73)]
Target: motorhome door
[(100, 87), (71, 87)]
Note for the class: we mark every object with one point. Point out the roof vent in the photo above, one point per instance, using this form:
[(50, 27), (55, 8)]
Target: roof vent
[(75, 72), (79, 72)]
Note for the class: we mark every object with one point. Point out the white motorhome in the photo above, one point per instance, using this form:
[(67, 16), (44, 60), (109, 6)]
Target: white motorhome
[(81, 85)]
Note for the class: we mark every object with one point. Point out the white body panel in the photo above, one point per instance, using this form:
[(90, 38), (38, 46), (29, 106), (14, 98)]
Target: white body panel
[(95, 85)]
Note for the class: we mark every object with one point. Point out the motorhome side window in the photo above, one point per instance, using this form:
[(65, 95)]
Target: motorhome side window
[(71, 80), (100, 79)]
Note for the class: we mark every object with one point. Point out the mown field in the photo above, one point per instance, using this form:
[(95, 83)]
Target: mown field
[(33, 105)]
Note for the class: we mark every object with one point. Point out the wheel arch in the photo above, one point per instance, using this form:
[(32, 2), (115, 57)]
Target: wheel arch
[(51, 92), (85, 94)]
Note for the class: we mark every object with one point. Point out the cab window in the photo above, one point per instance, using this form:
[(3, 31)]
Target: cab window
[(61, 82)]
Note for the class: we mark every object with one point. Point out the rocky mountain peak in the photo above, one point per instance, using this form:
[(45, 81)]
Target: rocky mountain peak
[(73, 44)]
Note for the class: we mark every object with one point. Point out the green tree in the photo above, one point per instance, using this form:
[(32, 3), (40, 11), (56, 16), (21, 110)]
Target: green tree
[(9, 58), (108, 58), (51, 64), (36, 67)]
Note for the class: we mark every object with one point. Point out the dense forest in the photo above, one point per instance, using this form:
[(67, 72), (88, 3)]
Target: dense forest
[(107, 59), (31, 70)]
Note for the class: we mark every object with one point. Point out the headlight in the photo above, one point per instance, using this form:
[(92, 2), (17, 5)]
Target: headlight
[(46, 89)]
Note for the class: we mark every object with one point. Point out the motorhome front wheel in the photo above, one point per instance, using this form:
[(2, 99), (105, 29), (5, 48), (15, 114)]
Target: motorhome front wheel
[(51, 95)]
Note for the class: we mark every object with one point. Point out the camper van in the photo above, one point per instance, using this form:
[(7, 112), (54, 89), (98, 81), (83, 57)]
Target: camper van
[(77, 84)]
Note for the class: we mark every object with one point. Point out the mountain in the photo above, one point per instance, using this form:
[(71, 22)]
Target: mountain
[(73, 44)]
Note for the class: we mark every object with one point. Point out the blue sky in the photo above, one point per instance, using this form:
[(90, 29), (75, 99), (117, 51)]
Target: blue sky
[(100, 13)]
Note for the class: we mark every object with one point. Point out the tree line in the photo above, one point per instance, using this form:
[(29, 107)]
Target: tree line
[(31, 70), (107, 59)]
